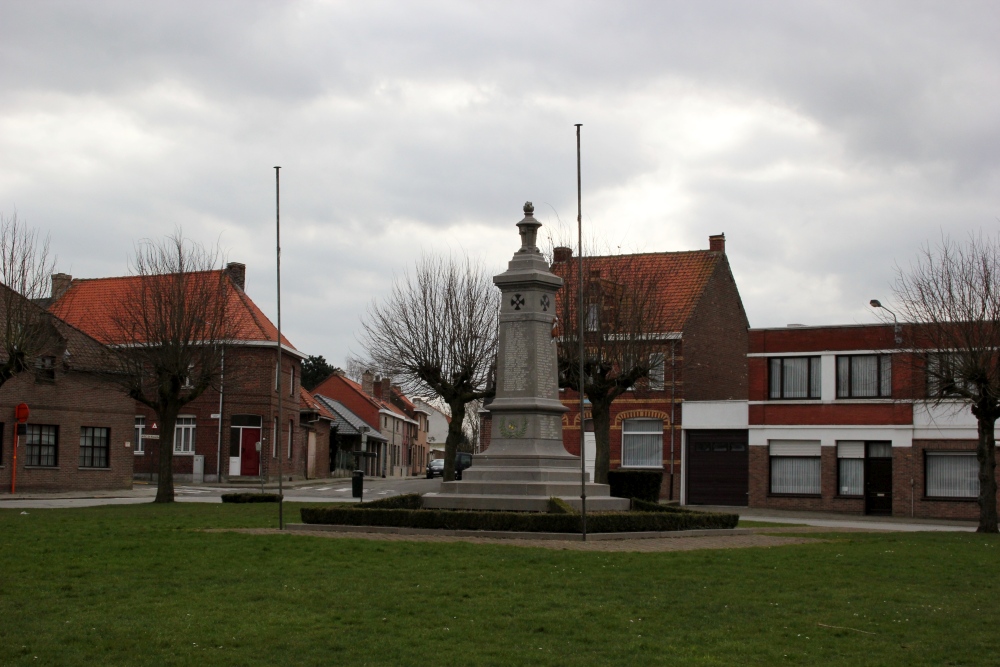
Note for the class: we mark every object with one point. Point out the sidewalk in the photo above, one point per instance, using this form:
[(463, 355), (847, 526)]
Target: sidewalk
[(833, 520)]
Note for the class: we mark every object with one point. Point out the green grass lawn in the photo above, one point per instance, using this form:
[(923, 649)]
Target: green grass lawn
[(139, 584)]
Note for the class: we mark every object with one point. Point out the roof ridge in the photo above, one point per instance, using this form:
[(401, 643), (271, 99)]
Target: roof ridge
[(172, 273)]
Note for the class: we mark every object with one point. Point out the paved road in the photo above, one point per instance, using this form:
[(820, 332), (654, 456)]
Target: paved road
[(330, 490)]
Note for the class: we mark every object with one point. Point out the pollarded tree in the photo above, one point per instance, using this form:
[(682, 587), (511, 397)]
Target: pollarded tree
[(951, 297), (436, 335), (25, 270), (167, 332)]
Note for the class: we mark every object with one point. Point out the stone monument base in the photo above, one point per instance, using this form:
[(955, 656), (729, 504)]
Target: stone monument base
[(522, 484)]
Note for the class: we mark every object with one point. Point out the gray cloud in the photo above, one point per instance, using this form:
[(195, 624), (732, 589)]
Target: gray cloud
[(827, 139)]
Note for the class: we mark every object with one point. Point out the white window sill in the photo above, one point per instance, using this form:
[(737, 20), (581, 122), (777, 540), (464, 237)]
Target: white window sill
[(176, 453)]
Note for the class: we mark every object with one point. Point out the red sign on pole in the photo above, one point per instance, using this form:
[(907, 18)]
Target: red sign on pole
[(21, 413)]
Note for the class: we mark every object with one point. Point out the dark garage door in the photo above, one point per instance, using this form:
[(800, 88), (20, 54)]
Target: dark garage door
[(718, 464)]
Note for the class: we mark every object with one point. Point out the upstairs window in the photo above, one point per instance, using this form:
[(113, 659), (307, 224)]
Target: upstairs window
[(45, 369), (945, 376), (656, 374), (864, 376), (794, 377)]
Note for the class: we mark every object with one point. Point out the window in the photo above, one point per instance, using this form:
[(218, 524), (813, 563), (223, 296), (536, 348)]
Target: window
[(187, 378), (945, 376), (642, 443), (291, 427), (1, 441), (850, 468), (184, 435), (140, 428), (656, 382), (45, 369), (43, 445), (593, 318), (291, 381), (94, 447), (951, 475), (275, 440), (795, 377), (864, 376), (795, 468)]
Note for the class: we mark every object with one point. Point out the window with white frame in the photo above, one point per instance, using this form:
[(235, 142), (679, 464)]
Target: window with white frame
[(593, 318), (139, 447), (184, 435), (275, 440), (291, 381), (850, 468), (656, 371), (951, 475), (794, 377), (795, 468), (95, 447), (642, 443), (864, 376)]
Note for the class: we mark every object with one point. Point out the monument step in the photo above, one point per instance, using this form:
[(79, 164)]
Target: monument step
[(495, 473), (516, 503), (567, 462), (523, 488)]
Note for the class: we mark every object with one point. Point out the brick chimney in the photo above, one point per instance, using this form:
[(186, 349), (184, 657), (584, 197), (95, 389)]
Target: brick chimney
[(383, 388), (377, 388), (60, 283), (367, 379), (717, 243), (562, 254), (238, 273)]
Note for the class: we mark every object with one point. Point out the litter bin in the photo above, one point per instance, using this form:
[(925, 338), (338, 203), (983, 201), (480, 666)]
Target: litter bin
[(358, 483)]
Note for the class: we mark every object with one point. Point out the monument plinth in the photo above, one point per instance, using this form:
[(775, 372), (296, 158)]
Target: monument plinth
[(526, 462)]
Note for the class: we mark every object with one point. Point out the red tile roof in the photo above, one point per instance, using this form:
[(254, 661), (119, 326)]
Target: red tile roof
[(308, 402), (680, 277), (89, 305)]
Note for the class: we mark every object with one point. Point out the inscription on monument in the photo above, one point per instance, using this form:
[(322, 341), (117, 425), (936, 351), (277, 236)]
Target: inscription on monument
[(515, 368), (546, 356), (548, 428)]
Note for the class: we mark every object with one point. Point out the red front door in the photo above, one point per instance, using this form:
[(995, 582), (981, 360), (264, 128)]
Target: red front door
[(249, 456)]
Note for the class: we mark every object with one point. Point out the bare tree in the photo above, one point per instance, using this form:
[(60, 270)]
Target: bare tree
[(436, 334), (951, 297), (622, 338), (167, 333), (25, 269)]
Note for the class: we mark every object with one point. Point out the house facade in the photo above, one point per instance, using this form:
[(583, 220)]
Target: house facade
[(840, 419), (700, 356), (231, 431), (371, 402), (78, 435)]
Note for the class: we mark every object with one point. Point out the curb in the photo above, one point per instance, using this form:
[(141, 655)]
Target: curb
[(564, 537)]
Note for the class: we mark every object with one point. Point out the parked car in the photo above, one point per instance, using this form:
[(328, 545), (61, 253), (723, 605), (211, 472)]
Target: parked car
[(436, 467)]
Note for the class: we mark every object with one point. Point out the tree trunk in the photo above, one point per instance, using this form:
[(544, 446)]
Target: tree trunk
[(986, 454), (165, 483), (454, 438), (601, 413)]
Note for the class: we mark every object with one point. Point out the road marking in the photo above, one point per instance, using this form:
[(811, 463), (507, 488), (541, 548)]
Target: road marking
[(344, 489)]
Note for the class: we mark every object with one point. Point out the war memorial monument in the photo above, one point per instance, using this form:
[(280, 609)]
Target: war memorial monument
[(526, 463)]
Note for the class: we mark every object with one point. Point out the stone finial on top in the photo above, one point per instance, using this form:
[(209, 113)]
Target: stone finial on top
[(528, 229)]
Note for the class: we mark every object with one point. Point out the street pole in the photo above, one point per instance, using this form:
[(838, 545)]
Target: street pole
[(277, 431), (581, 383)]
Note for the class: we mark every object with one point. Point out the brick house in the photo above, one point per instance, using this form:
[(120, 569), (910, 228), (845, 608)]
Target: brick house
[(839, 421), (227, 432), (701, 357), (315, 423), (79, 433), (371, 402)]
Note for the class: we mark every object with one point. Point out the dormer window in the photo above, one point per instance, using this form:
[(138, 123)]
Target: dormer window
[(45, 369)]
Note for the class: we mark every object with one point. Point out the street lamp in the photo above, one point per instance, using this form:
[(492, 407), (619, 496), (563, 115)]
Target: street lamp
[(896, 329)]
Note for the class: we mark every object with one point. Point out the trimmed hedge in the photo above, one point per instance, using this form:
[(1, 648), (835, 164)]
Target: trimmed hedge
[(642, 484), (250, 497), (639, 505), (560, 506), (407, 501), (612, 522)]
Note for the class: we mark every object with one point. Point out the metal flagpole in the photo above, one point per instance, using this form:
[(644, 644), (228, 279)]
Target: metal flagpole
[(277, 431), (581, 383)]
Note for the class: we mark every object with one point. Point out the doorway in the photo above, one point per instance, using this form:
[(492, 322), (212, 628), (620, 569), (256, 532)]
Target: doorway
[(244, 445), (878, 478)]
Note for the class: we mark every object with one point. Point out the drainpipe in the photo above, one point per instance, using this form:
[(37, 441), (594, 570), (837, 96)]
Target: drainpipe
[(673, 405), (218, 450)]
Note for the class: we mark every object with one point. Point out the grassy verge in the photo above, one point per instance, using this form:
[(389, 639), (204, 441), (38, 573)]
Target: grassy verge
[(139, 584)]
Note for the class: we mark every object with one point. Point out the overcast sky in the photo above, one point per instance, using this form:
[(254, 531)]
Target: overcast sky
[(827, 140)]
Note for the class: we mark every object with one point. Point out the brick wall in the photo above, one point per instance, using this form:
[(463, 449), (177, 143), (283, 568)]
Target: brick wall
[(715, 342), (70, 402)]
